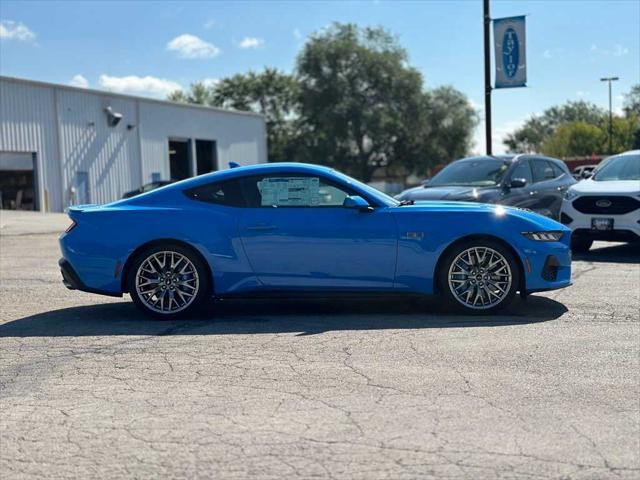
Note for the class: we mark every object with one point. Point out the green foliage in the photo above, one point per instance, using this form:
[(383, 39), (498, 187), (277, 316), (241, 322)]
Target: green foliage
[(538, 130), (363, 107), (583, 139), (632, 102), (354, 103), (574, 139)]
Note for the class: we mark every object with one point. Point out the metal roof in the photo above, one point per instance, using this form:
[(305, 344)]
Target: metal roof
[(92, 91)]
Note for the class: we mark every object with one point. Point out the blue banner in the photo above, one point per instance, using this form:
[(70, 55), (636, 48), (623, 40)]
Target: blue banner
[(511, 58)]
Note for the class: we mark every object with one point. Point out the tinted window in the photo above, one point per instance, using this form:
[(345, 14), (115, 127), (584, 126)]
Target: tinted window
[(479, 172), (523, 170), (624, 167), (557, 171), (293, 191), (223, 193), (542, 171)]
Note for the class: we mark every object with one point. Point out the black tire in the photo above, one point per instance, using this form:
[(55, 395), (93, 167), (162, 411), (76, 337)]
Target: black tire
[(580, 245), (451, 300), (200, 282)]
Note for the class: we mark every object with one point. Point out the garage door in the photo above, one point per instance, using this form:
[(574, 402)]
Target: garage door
[(17, 181)]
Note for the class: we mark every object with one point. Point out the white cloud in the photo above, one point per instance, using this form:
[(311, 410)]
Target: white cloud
[(79, 81), (210, 82), (11, 30), (190, 46), (209, 24), (149, 86), (581, 93), (619, 50), (297, 34), (251, 42)]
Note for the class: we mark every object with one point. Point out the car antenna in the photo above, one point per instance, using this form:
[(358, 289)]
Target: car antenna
[(234, 165)]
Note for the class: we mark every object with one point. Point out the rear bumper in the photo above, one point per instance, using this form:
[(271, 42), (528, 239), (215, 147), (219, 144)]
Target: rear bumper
[(71, 280)]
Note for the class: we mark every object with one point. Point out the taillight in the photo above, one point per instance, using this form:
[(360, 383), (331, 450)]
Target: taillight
[(71, 227)]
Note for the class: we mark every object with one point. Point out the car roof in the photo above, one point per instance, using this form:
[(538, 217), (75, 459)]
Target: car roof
[(242, 171), (504, 157)]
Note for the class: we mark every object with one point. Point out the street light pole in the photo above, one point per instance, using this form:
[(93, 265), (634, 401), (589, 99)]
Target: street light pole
[(487, 75), (610, 79)]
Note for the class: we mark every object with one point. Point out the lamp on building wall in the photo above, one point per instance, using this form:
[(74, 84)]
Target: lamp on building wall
[(113, 118)]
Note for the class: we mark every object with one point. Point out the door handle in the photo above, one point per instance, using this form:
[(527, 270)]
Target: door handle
[(261, 227), (533, 192)]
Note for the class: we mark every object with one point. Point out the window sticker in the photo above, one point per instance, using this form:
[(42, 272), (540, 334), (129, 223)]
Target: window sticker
[(290, 191)]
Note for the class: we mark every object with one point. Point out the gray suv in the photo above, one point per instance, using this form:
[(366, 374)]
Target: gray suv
[(527, 181)]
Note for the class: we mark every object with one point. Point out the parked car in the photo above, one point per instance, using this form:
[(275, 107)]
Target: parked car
[(303, 228), (147, 188), (583, 171), (527, 181), (607, 205)]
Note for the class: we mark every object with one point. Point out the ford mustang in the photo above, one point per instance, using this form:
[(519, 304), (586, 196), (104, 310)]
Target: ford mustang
[(296, 228)]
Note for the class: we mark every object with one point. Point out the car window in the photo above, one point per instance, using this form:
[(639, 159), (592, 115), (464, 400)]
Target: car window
[(293, 191), (557, 171), (523, 170), (542, 170), (227, 193)]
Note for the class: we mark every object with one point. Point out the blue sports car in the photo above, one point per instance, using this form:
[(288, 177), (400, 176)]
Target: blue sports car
[(304, 228)]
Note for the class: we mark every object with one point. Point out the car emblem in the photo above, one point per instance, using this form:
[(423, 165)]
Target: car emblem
[(604, 203)]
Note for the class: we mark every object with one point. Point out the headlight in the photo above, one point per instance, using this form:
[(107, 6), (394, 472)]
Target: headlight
[(551, 236), (570, 195)]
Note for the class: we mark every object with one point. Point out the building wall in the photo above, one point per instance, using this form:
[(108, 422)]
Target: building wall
[(67, 129), (27, 124)]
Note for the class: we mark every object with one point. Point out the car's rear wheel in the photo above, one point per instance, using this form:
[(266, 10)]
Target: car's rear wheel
[(580, 245), (479, 277), (168, 281)]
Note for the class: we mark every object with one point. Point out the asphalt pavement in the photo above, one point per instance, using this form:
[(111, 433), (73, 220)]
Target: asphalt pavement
[(339, 389)]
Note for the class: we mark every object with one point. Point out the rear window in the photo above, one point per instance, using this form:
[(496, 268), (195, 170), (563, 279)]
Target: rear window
[(227, 193)]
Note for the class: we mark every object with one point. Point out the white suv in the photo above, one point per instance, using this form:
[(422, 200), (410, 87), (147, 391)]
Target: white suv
[(607, 205)]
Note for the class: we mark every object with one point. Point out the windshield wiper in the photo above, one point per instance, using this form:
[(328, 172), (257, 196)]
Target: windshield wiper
[(406, 202)]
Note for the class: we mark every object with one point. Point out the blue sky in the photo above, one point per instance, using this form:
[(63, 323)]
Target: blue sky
[(148, 48)]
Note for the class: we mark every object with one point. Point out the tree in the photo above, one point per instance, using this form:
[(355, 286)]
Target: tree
[(632, 102), (574, 139), (539, 129), (363, 107), (270, 93)]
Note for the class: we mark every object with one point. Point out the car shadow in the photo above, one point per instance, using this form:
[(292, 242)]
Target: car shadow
[(304, 317), (616, 253)]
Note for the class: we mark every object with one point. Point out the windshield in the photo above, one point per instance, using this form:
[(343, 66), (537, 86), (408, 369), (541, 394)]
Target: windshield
[(381, 197), (483, 172), (623, 167)]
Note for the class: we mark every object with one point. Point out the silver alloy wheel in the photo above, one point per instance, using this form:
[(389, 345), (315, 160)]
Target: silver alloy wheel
[(480, 278), (167, 282)]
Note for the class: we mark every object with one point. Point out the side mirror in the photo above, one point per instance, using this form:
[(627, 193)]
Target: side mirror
[(358, 203), (517, 183)]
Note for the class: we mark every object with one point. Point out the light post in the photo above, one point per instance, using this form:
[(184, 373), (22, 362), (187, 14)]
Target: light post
[(610, 79)]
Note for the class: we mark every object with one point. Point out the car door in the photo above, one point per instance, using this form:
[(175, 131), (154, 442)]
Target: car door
[(547, 196), (519, 196), (297, 234)]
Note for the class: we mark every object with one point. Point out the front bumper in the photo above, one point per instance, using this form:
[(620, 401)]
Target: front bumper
[(71, 280), (626, 227)]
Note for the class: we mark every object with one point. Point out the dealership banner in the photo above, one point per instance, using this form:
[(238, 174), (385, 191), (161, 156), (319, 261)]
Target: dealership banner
[(511, 62)]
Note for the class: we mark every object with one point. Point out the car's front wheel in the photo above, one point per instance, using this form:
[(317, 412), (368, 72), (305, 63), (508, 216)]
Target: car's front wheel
[(479, 277), (168, 281)]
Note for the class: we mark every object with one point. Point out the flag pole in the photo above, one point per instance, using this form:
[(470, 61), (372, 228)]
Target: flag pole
[(487, 76)]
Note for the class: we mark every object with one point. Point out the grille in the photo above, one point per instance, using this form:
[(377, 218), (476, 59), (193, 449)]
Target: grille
[(613, 205)]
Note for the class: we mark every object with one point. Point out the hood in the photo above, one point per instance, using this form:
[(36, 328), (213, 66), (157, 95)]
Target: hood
[(526, 218), (620, 187), (443, 193)]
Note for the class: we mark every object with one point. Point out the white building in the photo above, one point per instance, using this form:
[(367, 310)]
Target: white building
[(62, 145)]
